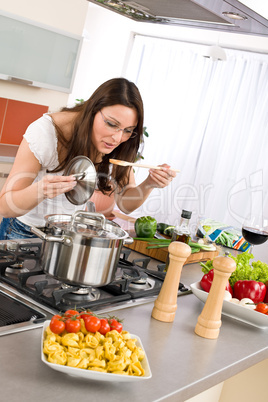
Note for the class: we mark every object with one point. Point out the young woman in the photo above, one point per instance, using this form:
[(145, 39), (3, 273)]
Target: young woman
[(108, 125)]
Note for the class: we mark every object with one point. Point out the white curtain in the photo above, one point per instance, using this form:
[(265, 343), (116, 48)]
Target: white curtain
[(210, 120)]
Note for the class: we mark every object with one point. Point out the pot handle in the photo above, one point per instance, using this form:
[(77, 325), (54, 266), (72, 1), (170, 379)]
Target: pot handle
[(128, 240), (67, 241), (87, 214)]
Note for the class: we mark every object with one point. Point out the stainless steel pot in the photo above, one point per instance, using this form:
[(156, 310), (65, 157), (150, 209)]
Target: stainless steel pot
[(81, 249)]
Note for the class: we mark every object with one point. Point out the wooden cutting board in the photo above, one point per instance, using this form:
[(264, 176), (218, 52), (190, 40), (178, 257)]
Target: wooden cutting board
[(162, 253)]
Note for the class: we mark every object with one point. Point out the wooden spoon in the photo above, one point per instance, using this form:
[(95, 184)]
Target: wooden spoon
[(125, 163)]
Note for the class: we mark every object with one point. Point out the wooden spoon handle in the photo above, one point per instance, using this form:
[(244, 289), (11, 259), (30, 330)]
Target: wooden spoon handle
[(142, 165)]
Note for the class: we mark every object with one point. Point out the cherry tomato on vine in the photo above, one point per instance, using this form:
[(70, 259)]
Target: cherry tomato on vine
[(105, 327), (85, 314), (57, 325), (72, 325), (262, 308), (56, 317), (114, 324), (92, 323), (70, 313)]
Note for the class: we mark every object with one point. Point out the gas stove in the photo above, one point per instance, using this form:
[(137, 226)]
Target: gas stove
[(28, 296)]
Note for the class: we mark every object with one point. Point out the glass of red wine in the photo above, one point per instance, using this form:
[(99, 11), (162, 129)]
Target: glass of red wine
[(255, 230)]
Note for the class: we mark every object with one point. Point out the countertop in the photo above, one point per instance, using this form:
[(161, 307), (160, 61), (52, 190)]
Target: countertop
[(182, 363)]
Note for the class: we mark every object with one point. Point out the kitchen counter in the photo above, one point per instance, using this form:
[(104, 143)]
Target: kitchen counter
[(182, 363)]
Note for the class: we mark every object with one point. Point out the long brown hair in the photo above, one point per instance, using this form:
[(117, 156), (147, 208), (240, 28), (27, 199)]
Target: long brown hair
[(117, 91)]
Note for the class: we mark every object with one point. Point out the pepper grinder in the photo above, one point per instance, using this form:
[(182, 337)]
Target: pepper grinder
[(209, 321), (165, 305)]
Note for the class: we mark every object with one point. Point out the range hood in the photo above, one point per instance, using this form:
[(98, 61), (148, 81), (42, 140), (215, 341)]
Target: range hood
[(232, 16)]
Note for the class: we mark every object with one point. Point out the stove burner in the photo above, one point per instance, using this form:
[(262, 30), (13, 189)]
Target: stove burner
[(147, 285), (140, 278), (136, 279), (79, 294), (80, 291), (16, 269), (129, 273)]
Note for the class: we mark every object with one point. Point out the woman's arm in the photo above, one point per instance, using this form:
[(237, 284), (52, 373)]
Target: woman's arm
[(20, 194), (132, 197)]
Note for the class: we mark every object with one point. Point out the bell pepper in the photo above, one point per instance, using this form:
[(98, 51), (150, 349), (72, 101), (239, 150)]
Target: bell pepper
[(145, 227), (265, 300), (207, 279), (250, 289)]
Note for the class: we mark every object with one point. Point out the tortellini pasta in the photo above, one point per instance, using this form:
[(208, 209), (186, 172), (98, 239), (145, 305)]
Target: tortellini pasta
[(111, 353)]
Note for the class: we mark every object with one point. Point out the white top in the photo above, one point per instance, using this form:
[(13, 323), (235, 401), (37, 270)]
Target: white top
[(42, 139)]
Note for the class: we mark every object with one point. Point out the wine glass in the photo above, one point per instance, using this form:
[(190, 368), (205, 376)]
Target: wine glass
[(255, 230)]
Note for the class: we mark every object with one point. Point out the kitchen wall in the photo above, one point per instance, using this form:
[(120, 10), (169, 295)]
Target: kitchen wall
[(66, 15)]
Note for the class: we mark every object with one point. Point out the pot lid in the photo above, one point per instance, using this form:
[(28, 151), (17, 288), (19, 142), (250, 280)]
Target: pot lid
[(86, 224), (83, 169)]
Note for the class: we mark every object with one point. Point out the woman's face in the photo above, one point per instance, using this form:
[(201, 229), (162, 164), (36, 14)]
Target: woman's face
[(113, 125)]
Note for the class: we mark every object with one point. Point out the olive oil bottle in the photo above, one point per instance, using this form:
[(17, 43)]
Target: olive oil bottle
[(182, 231)]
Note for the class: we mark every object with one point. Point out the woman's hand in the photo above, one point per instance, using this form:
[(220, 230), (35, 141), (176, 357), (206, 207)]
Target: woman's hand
[(52, 185), (160, 178), (132, 196)]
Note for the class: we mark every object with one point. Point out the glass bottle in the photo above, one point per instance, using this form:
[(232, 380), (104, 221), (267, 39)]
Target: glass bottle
[(182, 231)]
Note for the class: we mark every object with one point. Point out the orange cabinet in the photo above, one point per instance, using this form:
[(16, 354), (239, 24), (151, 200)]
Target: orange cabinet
[(15, 117)]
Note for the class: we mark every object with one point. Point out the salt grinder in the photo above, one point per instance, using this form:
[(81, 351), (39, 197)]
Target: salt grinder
[(165, 305), (209, 321)]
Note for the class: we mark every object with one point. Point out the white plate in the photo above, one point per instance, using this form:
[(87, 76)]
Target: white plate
[(95, 375), (233, 310)]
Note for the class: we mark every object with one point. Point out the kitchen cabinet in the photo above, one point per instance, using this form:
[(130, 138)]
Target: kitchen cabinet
[(15, 117), (37, 55)]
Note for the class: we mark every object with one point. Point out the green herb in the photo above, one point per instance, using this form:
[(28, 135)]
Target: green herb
[(152, 239), (206, 267), (202, 246)]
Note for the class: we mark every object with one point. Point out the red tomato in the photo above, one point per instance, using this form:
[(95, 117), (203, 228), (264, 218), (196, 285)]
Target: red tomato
[(56, 317), (85, 314), (105, 327), (262, 308), (72, 325), (70, 313), (92, 323), (57, 325), (114, 324)]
